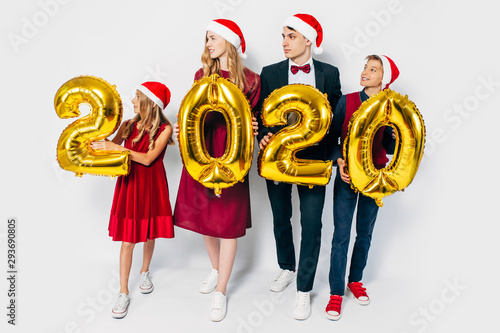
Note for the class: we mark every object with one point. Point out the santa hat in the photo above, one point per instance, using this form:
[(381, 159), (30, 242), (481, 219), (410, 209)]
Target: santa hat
[(230, 31), (157, 92), (391, 71), (309, 27)]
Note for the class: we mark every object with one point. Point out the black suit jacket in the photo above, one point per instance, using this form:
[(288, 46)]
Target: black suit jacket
[(275, 76)]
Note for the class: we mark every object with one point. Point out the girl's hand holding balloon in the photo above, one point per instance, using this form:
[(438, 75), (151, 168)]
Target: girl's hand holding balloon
[(255, 126), (107, 145), (176, 130)]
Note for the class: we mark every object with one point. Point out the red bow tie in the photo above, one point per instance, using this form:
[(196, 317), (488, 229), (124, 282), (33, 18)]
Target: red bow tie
[(306, 69)]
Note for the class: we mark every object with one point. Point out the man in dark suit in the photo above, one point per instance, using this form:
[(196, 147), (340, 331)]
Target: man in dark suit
[(300, 33)]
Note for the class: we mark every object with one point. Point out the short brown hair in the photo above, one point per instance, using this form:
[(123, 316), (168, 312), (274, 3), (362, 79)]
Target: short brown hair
[(374, 57)]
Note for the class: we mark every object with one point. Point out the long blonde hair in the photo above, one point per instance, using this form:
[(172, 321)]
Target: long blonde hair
[(153, 119), (234, 64)]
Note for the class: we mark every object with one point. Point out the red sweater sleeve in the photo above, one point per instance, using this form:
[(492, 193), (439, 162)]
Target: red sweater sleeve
[(253, 87), (199, 74)]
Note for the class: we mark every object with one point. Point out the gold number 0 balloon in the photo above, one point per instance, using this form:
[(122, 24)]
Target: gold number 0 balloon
[(218, 94), (73, 149), (387, 108), (277, 161)]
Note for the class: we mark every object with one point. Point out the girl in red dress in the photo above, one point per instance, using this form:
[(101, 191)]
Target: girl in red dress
[(141, 210), (221, 220)]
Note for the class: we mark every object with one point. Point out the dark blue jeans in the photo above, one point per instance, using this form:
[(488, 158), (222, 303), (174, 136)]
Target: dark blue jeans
[(344, 203), (311, 210)]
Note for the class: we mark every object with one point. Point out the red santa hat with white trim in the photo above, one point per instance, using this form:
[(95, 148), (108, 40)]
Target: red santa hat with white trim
[(231, 32), (157, 92), (391, 71), (309, 27)]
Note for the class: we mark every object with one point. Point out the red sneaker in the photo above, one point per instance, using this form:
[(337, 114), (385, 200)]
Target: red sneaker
[(359, 293), (332, 310)]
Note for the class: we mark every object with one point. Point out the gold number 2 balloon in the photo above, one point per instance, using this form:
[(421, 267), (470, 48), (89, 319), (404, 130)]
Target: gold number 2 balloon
[(216, 94), (387, 108), (73, 149), (277, 161)]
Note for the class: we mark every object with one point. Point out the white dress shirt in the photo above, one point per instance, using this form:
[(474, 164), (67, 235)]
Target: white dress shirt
[(301, 76)]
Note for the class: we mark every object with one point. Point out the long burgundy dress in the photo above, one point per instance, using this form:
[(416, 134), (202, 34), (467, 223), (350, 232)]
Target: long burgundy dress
[(141, 205), (197, 208)]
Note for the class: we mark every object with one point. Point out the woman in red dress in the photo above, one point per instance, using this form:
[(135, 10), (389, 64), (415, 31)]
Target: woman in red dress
[(221, 220), (141, 210)]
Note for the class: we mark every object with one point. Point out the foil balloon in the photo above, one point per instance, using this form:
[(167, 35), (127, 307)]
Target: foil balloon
[(73, 149), (387, 108), (216, 94), (277, 160)]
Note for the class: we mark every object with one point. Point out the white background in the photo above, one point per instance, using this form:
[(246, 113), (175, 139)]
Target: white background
[(434, 254)]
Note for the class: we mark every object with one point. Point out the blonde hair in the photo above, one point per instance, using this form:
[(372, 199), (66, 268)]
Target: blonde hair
[(234, 65), (153, 119)]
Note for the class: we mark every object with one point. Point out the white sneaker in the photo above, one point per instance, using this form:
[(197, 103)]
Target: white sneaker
[(219, 306), (146, 285), (210, 282), (282, 281), (302, 306), (121, 306)]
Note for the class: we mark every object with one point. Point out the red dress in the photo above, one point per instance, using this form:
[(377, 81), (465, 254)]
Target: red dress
[(197, 208), (141, 205)]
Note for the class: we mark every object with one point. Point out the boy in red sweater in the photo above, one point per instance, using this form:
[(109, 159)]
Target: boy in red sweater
[(379, 72)]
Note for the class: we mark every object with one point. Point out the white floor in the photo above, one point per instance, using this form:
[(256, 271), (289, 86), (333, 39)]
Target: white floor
[(176, 306), (78, 296)]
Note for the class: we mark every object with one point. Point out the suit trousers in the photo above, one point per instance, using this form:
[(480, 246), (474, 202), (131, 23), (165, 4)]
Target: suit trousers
[(311, 209), (344, 204)]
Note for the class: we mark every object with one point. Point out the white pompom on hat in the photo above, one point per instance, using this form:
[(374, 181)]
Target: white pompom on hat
[(157, 92), (231, 32), (309, 27), (391, 71)]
